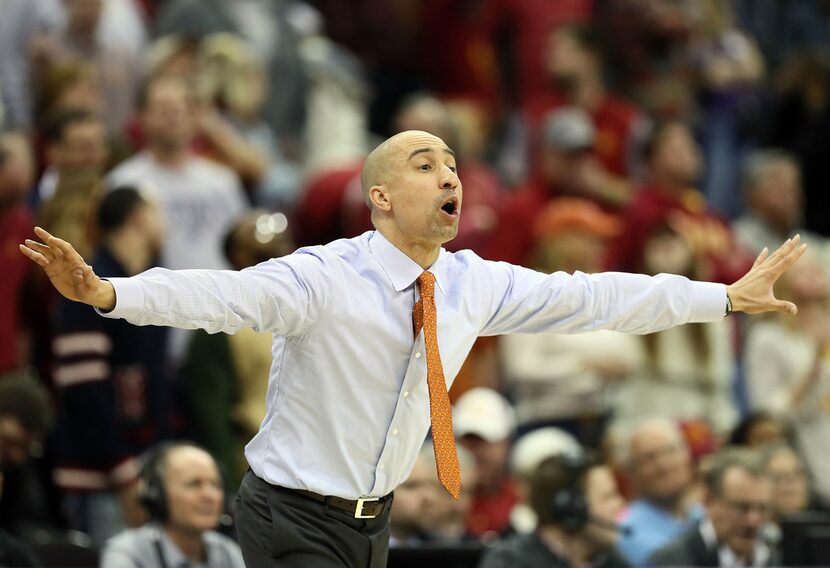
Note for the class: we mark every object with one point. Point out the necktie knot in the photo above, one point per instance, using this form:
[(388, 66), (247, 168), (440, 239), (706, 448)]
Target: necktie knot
[(426, 284)]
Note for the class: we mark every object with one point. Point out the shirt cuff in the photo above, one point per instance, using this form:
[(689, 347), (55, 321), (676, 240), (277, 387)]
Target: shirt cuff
[(129, 299), (708, 302)]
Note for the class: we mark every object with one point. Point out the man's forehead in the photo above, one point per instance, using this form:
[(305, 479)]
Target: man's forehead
[(408, 143)]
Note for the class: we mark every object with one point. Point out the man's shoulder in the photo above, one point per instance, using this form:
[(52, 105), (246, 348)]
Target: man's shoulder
[(134, 542), (681, 551), (211, 169), (518, 551), (230, 555), (213, 538), (135, 165)]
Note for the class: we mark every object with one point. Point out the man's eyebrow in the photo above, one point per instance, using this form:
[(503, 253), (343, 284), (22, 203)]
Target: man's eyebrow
[(428, 149)]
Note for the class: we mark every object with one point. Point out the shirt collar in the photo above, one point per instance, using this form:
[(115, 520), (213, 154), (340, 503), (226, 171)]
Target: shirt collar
[(402, 270), (173, 556), (726, 556)]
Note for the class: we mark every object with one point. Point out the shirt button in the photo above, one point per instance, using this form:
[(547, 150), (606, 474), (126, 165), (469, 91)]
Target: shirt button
[(418, 355), (382, 466), (405, 394), (395, 432)]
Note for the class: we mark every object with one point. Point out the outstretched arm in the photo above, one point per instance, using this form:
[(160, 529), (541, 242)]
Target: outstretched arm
[(284, 295), (68, 271), (753, 293)]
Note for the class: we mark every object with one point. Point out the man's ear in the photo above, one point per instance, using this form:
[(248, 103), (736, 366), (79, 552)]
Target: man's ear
[(379, 197)]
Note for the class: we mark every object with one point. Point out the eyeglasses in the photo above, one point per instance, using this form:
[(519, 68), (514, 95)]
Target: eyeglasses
[(746, 507)]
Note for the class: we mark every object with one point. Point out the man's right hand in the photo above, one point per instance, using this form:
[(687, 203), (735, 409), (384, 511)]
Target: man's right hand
[(68, 272)]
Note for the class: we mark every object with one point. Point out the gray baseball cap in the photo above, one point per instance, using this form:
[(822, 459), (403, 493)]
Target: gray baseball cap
[(568, 129)]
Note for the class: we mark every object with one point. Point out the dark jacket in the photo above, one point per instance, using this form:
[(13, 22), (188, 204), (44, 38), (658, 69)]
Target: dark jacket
[(689, 549), (113, 391), (528, 551)]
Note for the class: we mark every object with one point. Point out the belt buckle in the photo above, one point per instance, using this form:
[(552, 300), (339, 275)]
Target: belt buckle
[(358, 510)]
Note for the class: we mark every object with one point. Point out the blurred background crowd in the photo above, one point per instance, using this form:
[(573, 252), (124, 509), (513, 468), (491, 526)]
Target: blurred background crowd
[(677, 136)]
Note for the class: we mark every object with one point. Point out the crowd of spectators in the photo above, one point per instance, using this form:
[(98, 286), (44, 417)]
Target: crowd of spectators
[(653, 136)]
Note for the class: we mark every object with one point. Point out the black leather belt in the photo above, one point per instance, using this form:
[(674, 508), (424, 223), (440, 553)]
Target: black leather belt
[(363, 508)]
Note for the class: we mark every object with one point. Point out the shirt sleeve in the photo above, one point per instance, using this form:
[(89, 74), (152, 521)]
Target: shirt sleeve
[(520, 300), (284, 295)]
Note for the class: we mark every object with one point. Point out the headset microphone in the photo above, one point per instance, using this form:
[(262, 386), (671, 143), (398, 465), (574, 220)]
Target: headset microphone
[(622, 529)]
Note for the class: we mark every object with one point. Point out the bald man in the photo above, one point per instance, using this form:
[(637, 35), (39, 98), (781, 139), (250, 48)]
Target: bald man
[(356, 382)]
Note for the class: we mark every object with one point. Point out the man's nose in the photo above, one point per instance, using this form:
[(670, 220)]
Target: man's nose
[(449, 180)]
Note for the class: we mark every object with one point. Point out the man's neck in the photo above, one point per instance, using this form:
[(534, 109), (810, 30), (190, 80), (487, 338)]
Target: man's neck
[(424, 254), (130, 251), (171, 158), (588, 94), (188, 542), (669, 185), (81, 37), (674, 506)]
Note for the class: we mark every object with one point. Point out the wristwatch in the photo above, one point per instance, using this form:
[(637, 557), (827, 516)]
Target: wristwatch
[(728, 305)]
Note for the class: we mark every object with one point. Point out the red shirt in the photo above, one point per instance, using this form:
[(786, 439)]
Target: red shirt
[(513, 238), (461, 55), (528, 23), (491, 513), (16, 225), (650, 208), (617, 122)]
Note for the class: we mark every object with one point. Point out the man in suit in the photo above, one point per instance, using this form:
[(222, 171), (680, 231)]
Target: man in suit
[(738, 500)]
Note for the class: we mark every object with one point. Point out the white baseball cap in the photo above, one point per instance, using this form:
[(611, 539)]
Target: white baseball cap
[(485, 413)]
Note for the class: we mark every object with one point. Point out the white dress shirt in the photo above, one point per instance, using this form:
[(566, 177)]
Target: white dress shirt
[(347, 403)]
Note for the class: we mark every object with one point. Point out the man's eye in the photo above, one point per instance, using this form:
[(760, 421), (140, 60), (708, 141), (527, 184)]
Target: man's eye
[(425, 167), (453, 169)]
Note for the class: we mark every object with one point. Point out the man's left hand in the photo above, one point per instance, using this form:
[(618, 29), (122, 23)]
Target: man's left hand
[(753, 293)]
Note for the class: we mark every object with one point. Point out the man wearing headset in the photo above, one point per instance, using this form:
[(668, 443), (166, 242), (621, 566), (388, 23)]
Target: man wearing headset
[(577, 502), (181, 488)]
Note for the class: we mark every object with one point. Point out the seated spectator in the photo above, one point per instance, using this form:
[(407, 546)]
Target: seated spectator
[(407, 521), (233, 90), (25, 417), (446, 519), (75, 140), (577, 503), (660, 468), (16, 174), (738, 502), (69, 84), (574, 67), (114, 65), (69, 214), (790, 484), (181, 488), (673, 164), (110, 380), (226, 376), (567, 168), (200, 199), (729, 72), (686, 372), (787, 367), (484, 424), (567, 381), (528, 452), (12, 551), (758, 429), (774, 204)]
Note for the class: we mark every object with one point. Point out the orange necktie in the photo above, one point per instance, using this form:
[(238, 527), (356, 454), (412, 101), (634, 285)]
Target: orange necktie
[(440, 412)]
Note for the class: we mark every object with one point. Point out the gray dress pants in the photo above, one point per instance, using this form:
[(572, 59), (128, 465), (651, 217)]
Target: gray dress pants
[(279, 527)]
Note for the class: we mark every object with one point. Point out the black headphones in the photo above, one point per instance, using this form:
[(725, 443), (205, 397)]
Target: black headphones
[(569, 505), (151, 493)]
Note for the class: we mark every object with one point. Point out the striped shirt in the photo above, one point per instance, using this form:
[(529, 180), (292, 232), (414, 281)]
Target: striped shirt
[(347, 407)]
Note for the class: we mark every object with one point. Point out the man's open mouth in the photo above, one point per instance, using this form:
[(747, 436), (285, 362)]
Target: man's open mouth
[(450, 206)]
